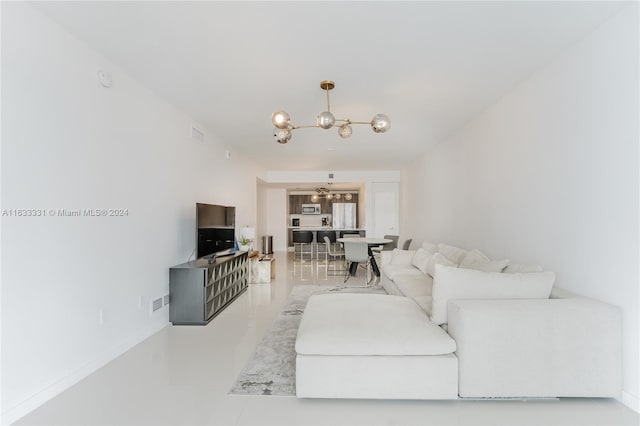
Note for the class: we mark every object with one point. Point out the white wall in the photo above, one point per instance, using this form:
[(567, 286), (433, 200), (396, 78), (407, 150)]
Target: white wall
[(276, 214), (549, 175), (68, 143)]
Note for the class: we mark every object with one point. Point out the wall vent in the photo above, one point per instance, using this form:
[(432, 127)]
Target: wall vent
[(197, 134), (166, 299), (156, 304), (330, 175)]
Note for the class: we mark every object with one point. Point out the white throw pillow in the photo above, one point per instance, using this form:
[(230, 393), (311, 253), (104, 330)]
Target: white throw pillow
[(402, 257), (420, 259), (473, 259), (430, 247), (454, 254), (513, 268), (455, 283), (493, 266), (437, 259)]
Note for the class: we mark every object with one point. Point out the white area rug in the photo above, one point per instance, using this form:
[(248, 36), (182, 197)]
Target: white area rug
[(272, 368)]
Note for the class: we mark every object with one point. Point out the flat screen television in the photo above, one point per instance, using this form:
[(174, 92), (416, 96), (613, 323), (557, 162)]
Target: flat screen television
[(215, 229)]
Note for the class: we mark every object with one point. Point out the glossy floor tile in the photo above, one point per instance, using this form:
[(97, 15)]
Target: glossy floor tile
[(181, 376)]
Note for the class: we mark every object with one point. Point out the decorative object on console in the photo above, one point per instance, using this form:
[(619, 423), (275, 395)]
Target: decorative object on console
[(380, 123), (247, 236)]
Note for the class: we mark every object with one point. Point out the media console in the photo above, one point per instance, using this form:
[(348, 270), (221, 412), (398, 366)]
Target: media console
[(201, 289)]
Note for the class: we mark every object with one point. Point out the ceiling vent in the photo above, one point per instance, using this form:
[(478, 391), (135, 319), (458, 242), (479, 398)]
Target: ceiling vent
[(197, 134)]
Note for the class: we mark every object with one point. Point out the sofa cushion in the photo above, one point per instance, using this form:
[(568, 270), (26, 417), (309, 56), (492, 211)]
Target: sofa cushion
[(425, 302), (391, 271), (454, 254), (368, 324), (430, 247), (402, 257), (414, 285), (455, 283), (421, 259), (513, 268), (437, 259)]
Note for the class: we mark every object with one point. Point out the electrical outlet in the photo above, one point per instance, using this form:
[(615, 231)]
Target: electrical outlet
[(101, 317), (140, 302), (166, 299)]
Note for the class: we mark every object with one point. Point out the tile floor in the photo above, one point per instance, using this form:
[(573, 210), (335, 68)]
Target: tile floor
[(181, 376)]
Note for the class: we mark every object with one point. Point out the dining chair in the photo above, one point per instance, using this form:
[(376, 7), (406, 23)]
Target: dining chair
[(407, 244), (334, 255), (388, 246), (356, 252)]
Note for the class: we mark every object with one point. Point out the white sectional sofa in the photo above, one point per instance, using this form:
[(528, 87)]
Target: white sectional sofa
[(459, 325)]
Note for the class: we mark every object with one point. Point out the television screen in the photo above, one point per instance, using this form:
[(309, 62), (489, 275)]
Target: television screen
[(213, 216), (215, 228)]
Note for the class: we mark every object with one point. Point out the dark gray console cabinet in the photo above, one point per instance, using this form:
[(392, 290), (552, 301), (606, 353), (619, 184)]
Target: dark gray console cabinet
[(201, 289)]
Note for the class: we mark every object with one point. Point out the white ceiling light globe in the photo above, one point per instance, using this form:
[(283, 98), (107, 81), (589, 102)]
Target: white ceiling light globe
[(326, 120), (380, 123), (281, 119), (345, 131), (348, 197), (282, 135)]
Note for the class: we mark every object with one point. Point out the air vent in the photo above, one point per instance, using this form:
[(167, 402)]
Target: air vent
[(330, 175), (197, 134), (156, 304)]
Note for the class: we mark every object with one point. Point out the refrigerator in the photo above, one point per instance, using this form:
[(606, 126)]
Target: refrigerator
[(344, 215)]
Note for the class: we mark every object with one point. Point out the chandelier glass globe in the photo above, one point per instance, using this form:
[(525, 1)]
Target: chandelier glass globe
[(281, 119), (380, 123), (282, 135), (338, 196), (348, 197), (345, 131), (326, 120)]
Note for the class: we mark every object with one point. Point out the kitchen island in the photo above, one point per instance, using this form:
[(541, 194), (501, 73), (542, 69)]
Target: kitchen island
[(315, 229)]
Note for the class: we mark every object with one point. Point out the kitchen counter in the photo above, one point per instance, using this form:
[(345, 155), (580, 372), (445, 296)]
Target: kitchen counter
[(322, 228)]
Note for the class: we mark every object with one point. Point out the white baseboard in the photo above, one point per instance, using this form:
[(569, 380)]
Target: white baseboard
[(31, 403), (631, 401)]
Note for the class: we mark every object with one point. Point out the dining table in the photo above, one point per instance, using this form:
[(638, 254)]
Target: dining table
[(370, 242)]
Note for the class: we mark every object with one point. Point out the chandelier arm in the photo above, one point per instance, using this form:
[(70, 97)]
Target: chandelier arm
[(293, 127), (360, 122)]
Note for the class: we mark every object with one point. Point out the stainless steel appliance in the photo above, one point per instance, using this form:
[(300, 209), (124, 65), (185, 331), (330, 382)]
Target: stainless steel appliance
[(295, 221), (344, 215), (311, 209)]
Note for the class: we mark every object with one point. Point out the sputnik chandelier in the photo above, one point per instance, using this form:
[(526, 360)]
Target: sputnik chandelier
[(324, 192), (380, 123)]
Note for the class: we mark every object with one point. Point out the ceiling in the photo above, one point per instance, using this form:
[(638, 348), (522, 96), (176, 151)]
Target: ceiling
[(430, 66)]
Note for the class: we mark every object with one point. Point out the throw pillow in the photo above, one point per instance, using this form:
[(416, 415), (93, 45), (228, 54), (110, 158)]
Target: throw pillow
[(402, 257), (493, 266), (437, 259), (454, 254), (430, 247), (513, 268), (421, 259), (473, 259), (455, 283)]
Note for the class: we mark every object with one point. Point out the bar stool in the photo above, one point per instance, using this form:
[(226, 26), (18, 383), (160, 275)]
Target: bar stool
[(300, 238), (320, 241)]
